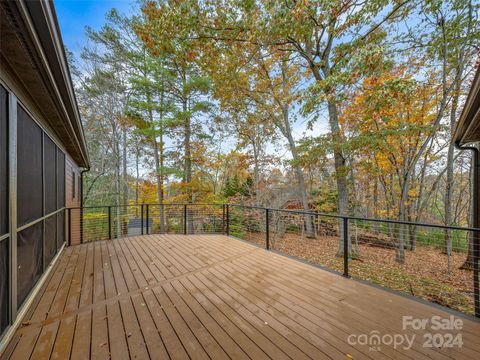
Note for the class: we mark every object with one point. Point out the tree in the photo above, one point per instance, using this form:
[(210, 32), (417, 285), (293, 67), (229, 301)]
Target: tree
[(450, 36), (323, 35), (388, 128), (145, 75)]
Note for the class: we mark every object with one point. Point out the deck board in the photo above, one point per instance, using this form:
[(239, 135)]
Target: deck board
[(212, 296)]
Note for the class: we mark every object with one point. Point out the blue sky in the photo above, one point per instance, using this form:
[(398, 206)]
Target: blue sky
[(74, 15)]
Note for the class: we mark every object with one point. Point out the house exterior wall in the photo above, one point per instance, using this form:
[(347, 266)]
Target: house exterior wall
[(15, 245), (39, 157), (72, 194)]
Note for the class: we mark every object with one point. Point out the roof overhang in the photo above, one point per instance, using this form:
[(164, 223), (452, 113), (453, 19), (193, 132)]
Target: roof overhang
[(32, 50), (468, 125)]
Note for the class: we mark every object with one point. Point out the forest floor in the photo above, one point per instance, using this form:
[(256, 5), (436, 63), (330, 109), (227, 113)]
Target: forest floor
[(424, 273)]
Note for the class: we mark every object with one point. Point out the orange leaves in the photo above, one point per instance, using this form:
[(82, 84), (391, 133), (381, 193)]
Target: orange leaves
[(387, 120), (190, 55), (147, 192)]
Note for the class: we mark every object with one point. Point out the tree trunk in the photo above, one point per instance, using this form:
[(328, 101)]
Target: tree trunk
[(310, 231), (124, 181), (187, 171), (160, 173), (402, 216), (450, 162), (339, 158), (137, 171), (157, 157), (448, 201), (116, 144), (256, 169), (356, 197), (340, 171), (160, 181), (376, 224)]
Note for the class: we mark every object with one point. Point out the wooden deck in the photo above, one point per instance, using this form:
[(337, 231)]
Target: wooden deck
[(202, 296)]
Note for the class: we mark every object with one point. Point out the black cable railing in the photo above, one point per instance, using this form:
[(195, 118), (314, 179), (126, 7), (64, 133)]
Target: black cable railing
[(430, 261)]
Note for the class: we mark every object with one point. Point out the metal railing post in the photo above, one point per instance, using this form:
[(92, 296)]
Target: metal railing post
[(147, 216), (185, 219), (141, 218), (223, 219), (267, 229), (110, 223), (345, 246), (69, 227), (228, 219)]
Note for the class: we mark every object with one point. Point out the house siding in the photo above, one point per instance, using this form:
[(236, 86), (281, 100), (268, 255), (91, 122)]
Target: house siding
[(15, 244), (72, 194)]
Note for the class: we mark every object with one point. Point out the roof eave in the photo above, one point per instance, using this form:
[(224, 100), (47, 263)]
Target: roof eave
[(48, 32), (468, 125)]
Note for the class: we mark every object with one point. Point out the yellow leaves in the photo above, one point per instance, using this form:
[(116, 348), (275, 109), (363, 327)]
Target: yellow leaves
[(388, 119), (384, 163), (413, 192), (147, 192)]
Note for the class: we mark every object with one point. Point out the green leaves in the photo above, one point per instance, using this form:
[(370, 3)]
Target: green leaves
[(234, 187)]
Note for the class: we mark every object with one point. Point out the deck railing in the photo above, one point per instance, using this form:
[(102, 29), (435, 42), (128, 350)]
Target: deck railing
[(429, 261)]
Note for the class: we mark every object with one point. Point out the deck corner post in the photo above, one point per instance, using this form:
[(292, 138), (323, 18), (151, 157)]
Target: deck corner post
[(185, 231), (109, 223), (223, 219), (267, 229), (147, 215), (345, 246), (141, 218), (228, 219)]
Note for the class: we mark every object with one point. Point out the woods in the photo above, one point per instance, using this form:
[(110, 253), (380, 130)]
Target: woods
[(341, 107)]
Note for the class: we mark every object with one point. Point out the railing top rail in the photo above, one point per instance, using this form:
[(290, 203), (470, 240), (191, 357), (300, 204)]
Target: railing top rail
[(293, 211), (149, 204), (336, 216)]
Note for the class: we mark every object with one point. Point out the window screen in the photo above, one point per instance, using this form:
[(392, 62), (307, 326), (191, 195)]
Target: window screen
[(50, 238), (29, 169), (61, 179), (29, 259), (60, 228), (4, 285), (50, 176), (3, 162)]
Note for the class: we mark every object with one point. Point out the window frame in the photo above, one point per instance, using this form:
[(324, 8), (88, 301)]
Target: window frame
[(6, 238), (13, 103)]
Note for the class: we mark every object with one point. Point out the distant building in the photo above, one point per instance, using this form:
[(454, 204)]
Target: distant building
[(294, 204)]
